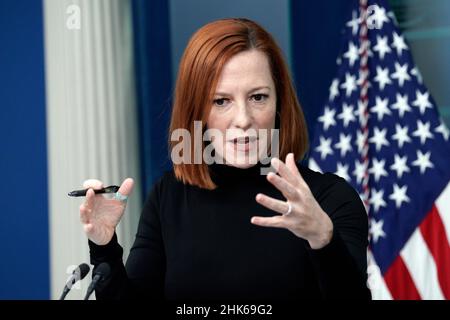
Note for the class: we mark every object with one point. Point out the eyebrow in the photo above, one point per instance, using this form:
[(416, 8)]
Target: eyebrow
[(252, 90)]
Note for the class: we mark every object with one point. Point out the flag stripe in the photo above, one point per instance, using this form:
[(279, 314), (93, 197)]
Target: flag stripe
[(399, 281), (422, 267), (443, 206), (434, 235), (376, 281)]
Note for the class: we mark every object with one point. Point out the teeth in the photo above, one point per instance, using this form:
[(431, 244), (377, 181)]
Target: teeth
[(244, 140)]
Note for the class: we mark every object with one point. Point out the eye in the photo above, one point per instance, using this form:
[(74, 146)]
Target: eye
[(260, 97), (220, 102)]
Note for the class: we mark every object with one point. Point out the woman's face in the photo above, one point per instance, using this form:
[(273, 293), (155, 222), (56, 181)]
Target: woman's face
[(244, 107)]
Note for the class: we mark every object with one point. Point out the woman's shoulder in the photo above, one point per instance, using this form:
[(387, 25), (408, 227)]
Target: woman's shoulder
[(167, 181), (317, 181), (164, 188), (315, 178), (327, 184)]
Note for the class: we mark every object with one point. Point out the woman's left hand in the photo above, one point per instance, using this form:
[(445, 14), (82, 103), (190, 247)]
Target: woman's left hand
[(300, 214)]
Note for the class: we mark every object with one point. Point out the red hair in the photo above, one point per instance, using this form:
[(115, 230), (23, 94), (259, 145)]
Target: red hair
[(207, 52)]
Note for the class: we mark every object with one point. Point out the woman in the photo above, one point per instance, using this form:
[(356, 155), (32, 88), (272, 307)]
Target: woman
[(224, 230)]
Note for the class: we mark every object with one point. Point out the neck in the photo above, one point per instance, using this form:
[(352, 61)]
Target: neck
[(223, 174)]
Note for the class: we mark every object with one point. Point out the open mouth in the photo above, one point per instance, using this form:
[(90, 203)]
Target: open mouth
[(244, 139), (243, 143)]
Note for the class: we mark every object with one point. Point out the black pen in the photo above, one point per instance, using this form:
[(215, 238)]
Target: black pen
[(82, 193)]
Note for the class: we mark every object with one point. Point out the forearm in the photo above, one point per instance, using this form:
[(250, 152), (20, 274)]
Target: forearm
[(117, 285), (338, 273)]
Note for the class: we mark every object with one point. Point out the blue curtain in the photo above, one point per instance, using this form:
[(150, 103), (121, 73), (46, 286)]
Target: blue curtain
[(315, 42), (24, 241), (154, 82)]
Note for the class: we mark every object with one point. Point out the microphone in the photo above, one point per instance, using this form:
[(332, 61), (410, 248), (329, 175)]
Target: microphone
[(99, 274), (78, 274)]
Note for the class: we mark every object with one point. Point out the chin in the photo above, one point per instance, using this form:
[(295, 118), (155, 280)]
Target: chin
[(241, 165), (243, 161)]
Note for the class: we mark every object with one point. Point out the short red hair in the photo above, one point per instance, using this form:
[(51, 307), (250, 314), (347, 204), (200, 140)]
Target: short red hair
[(207, 52)]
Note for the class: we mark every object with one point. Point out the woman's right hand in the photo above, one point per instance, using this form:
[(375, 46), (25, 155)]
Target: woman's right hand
[(100, 215)]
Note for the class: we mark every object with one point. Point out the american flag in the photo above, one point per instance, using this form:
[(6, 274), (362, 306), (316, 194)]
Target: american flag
[(381, 131)]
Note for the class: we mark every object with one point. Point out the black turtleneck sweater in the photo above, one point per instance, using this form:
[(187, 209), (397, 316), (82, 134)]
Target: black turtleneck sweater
[(198, 244)]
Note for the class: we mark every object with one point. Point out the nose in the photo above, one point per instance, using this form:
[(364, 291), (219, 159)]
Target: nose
[(243, 117)]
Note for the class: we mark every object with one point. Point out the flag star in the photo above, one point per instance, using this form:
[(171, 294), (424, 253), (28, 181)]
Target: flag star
[(423, 161), (347, 114), (401, 73), (377, 169), (361, 139), (422, 101), (354, 23), (342, 171), (349, 85), (376, 230), (399, 165), (391, 15), (382, 46), (360, 171), (324, 148), (415, 72), (376, 199), (377, 18), (328, 118), (399, 195), (401, 104), (401, 135), (334, 89), (351, 54), (381, 108), (423, 131), (344, 143), (379, 138), (442, 129), (399, 43), (338, 61), (382, 77)]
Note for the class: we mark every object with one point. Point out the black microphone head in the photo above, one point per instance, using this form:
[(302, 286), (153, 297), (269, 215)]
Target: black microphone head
[(81, 271), (103, 270)]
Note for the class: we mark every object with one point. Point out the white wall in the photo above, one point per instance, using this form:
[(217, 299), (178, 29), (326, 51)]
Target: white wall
[(188, 16), (91, 121)]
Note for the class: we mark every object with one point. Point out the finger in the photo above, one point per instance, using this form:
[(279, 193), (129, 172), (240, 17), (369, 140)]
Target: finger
[(272, 204), (288, 191), (88, 227), (127, 187), (275, 221), (93, 183), (290, 163), (284, 171), (84, 214), (90, 200)]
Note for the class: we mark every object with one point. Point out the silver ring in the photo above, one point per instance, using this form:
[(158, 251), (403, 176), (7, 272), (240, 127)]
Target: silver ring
[(120, 197), (289, 208)]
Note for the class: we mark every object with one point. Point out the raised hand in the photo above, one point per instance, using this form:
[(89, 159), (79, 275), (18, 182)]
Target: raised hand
[(301, 213), (100, 215)]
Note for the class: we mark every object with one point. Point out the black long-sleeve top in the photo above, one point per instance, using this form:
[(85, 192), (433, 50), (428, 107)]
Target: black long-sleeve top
[(198, 244)]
